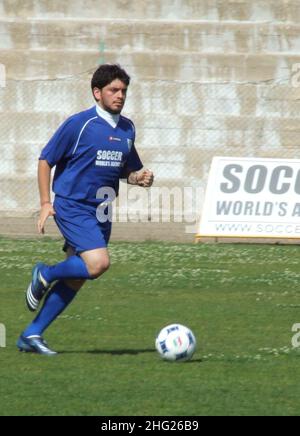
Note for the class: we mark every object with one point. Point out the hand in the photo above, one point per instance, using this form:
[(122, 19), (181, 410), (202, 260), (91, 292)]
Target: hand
[(145, 178), (46, 211)]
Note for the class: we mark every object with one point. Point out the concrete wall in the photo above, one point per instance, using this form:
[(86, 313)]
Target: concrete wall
[(212, 10), (209, 77)]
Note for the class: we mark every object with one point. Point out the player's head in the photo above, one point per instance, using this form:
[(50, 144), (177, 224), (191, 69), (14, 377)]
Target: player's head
[(109, 87)]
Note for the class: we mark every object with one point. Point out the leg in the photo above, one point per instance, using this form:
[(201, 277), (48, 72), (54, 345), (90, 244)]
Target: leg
[(91, 264), (73, 268), (58, 299), (90, 238), (76, 285), (97, 261), (61, 295)]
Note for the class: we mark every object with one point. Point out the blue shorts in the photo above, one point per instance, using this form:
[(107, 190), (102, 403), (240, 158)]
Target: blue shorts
[(79, 225)]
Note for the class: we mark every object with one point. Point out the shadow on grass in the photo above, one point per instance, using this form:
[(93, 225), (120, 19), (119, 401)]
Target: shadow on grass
[(111, 352), (122, 353)]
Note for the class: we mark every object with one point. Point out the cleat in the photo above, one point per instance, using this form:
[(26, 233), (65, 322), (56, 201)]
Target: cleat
[(34, 344), (37, 288)]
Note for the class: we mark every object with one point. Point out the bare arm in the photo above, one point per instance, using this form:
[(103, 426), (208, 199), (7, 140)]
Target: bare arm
[(44, 177)]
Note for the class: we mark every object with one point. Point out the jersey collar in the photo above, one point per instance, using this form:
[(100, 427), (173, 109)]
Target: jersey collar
[(111, 119)]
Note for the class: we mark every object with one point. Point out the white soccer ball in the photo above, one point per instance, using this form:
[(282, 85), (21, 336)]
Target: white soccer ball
[(176, 342)]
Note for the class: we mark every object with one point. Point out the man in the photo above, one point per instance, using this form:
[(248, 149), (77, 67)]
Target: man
[(91, 150)]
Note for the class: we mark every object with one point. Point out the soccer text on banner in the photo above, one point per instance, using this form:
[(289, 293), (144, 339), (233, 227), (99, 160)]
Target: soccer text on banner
[(252, 198)]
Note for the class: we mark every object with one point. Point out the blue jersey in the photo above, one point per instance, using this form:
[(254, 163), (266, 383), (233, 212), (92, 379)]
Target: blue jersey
[(90, 154)]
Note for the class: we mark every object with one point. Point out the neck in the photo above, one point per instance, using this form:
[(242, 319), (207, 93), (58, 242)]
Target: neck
[(112, 119)]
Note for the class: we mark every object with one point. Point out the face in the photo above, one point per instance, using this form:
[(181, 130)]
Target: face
[(112, 97)]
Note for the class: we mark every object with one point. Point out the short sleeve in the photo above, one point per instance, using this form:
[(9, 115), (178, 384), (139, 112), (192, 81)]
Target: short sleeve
[(133, 163), (61, 144)]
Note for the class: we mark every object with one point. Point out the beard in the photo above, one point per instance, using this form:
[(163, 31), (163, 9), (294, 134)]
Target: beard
[(113, 111)]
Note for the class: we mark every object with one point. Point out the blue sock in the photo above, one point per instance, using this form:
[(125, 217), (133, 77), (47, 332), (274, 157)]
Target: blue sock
[(55, 303), (72, 268)]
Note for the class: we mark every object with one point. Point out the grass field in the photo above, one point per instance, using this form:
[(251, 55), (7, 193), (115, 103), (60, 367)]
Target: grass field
[(240, 301)]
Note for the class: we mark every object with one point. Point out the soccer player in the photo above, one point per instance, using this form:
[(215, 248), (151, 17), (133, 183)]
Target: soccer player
[(92, 151)]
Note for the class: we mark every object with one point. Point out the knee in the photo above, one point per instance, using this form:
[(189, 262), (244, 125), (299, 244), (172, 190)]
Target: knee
[(99, 267)]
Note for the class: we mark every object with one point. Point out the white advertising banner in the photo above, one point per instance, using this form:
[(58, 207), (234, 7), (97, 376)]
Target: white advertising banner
[(252, 198)]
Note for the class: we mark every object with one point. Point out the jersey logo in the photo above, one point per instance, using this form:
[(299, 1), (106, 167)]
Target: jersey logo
[(109, 158), (113, 138)]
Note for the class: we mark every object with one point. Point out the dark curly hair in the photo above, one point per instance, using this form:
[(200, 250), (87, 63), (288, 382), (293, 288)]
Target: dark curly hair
[(107, 73)]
